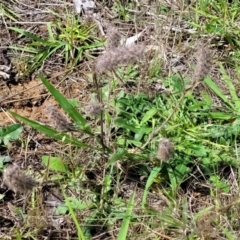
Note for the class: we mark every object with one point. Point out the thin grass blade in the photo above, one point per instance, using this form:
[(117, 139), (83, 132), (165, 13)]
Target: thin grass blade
[(217, 90), (231, 87), (126, 221), (150, 180), (52, 133)]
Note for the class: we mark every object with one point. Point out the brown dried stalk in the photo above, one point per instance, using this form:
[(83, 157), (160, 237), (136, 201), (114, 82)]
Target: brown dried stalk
[(119, 55), (17, 180), (165, 150)]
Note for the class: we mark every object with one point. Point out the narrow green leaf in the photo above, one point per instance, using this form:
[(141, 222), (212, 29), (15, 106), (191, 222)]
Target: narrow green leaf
[(25, 49), (116, 156), (149, 114), (52, 133), (74, 217), (150, 180), (126, 221), (50, 32), (217, 90), (8, 13), (229, 235), (10, 132), (173, 180), (28, 34), (231, 87), (67, 107), (219, 115), (202, 212)]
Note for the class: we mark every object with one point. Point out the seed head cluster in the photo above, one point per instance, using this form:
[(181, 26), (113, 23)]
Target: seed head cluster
[(165, 150), (93, 108), (119, 55), (58, 120), (17, 180), (113, 38), (203, 64)]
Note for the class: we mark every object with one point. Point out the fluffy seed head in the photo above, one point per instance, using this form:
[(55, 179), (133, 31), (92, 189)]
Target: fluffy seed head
[(165, 150), (93, 108), (17, 180), (119, 55), (203, 64), (58, 120), (113, 38)]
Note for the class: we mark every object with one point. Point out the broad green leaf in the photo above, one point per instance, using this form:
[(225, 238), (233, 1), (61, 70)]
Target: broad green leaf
[(3, 160), (125, 142), (74, 102), (55, 164), (75, 205), (149, 114), (2, 196), (120, 122), (10, 132), (180, 172), (219, 184), (177, 83), (141, 131), (107, 183)]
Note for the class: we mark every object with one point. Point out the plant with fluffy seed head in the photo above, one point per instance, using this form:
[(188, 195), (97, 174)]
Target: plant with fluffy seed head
[(203, 64), (58, 120), (165, 150), (119, 55), (16, 180)]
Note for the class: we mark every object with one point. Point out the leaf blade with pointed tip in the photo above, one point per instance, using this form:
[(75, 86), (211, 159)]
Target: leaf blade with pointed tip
[(67, 107), (52, 133), (127, 218)]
